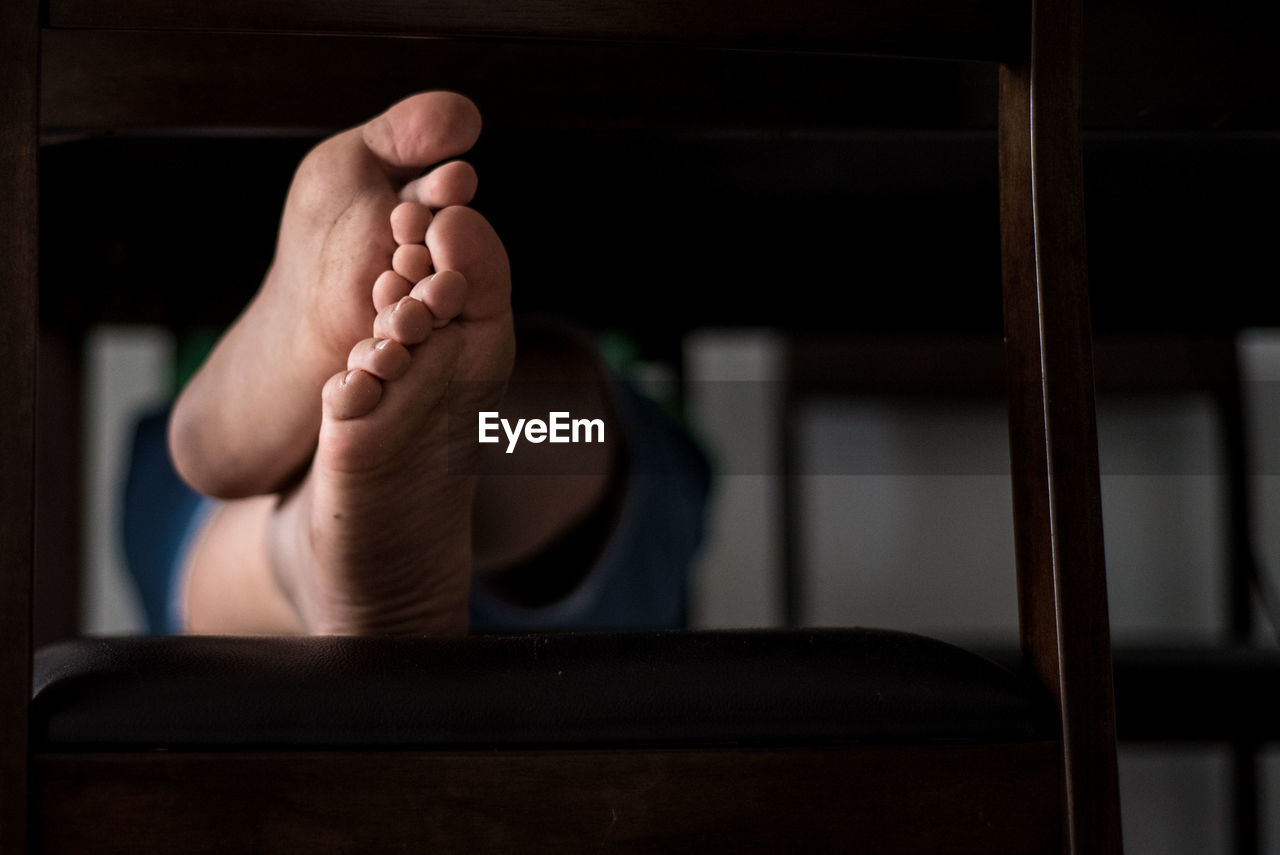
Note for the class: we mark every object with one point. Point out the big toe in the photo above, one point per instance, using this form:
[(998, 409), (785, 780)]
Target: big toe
[(350, 394), (423, 129), (388, 151)]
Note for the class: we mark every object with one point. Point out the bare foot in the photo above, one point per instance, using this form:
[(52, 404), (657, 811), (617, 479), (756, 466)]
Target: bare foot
[(247, 423), (377, 537)]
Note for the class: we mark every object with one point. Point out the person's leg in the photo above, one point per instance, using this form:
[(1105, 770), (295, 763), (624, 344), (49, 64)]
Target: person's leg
[(227, 584), (531, 499), (541, 522), (626, 563), (614, 554)]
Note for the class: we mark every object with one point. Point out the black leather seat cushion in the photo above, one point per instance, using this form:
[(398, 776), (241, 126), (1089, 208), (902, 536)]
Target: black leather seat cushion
[(615, 689)]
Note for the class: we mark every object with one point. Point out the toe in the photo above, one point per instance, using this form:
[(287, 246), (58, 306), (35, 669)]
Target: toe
[(390, 287), (381, 357), (449, 184), (407, 321), (412, 261), (409, 222), (423, 129), (461, 239), (350, 395), (444, 293), (418, 132)]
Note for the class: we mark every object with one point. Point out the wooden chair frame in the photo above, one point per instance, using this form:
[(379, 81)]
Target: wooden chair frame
[(1061, 575)]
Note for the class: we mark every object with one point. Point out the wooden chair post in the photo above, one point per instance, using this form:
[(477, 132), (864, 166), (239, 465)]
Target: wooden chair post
[(1053, 434), (19, 66)]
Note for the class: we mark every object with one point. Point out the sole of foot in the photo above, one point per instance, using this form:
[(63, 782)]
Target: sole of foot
[(377, 538), (249, 420)]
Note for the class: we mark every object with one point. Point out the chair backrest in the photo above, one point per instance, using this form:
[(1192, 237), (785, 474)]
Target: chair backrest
[(1061, 575)]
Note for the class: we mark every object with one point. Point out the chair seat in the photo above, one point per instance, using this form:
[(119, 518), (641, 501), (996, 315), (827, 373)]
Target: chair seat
[(580, 689)]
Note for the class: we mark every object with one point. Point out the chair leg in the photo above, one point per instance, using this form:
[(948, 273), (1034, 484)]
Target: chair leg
[(1052, 427), (19, 100)]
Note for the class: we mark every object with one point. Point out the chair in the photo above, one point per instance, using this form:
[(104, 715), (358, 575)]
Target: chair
[(811, 741), (1168, 691)]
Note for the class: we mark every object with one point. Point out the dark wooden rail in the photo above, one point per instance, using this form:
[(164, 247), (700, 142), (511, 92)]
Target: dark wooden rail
[(946, 29)]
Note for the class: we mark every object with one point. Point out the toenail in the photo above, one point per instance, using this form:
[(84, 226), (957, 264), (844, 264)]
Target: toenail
[(382, 344), (347, 379)]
